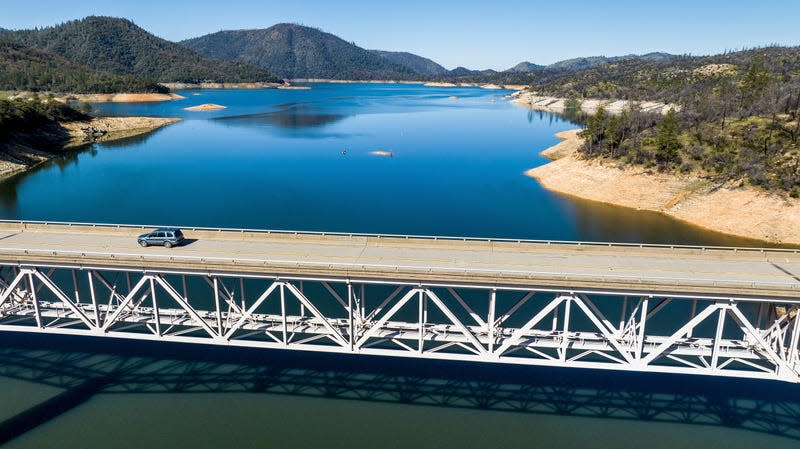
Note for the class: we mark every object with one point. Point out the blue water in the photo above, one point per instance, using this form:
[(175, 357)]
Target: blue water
[(300, 159)]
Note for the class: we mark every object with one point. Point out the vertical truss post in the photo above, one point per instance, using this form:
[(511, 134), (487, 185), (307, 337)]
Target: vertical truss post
[(302, 306), (490, 324), (156, 314), (363, 300), (642, 326), (184, 287), (75, 288), (242, 292), (350, 317), (421, 321), (565, 332), (717, 339), (35, 299), (217, 305), (623, 316), (284, 325), (93, 296)]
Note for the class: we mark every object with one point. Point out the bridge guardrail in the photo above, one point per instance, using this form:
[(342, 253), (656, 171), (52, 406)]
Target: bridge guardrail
[(402, 236)]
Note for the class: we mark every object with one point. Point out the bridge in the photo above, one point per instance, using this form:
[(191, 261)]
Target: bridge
[(651, 308)]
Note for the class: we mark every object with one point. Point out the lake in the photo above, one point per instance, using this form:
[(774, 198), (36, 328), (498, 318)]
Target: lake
[(301, 159)]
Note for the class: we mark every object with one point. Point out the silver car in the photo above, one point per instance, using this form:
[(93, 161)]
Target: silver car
[(166, 237)]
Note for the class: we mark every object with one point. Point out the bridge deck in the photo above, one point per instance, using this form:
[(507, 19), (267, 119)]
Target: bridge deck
[(756, 273)]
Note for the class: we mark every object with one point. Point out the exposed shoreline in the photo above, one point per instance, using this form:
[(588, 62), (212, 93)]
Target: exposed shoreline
[(191, 86), (19, 157), (728, 208), (516, 87), (122, 97), (589, 106)]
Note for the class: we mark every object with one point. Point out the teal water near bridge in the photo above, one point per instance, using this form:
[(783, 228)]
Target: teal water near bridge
[(302, 159)]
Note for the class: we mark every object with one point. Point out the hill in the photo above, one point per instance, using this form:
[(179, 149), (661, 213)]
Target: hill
[(295, 51), (739, 118), (594, 61), (24, 68), (120, 47), (525, 67), (418, 64)]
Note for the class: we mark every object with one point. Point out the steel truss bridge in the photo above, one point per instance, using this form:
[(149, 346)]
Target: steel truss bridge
[(690, 310)]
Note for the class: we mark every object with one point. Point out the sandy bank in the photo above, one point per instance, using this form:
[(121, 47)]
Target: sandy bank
[(589, 105), (19, 154), (483, 86), (125, 98), (205, 107), (569, 144), (740, 211), (332, 81), (187, 86), (102, 98)]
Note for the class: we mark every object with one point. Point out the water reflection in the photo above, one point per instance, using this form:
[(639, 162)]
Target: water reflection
[(293, 116), (85, 366)]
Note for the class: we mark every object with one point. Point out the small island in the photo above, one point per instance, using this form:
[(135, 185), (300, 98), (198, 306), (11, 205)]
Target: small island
[(205, 107)]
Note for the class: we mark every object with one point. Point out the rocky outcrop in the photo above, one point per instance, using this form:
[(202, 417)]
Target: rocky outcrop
[(588, 106)]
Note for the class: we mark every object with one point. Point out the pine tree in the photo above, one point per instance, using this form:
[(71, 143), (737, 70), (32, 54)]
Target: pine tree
[(667, 138)]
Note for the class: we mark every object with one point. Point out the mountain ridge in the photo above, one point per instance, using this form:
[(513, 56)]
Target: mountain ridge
[(121, 47), (296, 51)]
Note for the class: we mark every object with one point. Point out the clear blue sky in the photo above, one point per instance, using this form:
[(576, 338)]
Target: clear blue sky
[(477, 34)]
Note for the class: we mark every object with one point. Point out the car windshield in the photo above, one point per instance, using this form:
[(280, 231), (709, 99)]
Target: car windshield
[(178, 234)]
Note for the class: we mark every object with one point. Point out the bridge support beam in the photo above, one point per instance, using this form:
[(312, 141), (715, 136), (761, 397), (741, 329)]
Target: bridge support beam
[(658, 332)]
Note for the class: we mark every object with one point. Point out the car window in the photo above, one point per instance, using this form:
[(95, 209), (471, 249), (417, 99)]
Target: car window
[(178, 234), (170, 235), (160, 235)]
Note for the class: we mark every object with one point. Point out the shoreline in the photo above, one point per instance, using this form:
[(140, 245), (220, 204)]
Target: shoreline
[(744, 212), (21, 157), (120, 97), (198, 86), (558, 105), (491, 86)]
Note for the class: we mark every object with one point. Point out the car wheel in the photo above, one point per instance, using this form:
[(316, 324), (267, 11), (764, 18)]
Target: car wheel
[(167, 245), (143, 243)]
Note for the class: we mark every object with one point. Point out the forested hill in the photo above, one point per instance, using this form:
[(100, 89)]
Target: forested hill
[(295, 51), (418, 64), (738, 118), (120, 47), (31, 69)]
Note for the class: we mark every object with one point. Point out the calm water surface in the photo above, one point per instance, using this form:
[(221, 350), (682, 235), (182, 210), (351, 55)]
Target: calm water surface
[(301, 160)]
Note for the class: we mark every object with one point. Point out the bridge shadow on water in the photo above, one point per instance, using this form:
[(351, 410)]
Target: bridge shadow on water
[(84, 367)]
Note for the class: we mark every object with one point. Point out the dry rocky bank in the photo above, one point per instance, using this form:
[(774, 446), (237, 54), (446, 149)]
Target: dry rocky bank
[(19, 154), (728, 208)]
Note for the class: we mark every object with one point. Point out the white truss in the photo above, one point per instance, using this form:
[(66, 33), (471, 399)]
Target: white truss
[(738, 337)]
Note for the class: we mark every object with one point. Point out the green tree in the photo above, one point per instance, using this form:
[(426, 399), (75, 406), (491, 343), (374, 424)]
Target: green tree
[(754, 81), (667, 133), (595, 130)]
